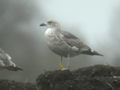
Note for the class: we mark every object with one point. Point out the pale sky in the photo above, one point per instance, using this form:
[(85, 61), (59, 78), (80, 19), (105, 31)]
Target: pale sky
[(91, 17)]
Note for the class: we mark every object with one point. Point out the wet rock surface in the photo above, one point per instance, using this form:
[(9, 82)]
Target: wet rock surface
[(98, 77)]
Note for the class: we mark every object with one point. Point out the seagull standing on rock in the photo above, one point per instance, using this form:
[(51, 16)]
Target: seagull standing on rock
[(64, 43), (6, 62)]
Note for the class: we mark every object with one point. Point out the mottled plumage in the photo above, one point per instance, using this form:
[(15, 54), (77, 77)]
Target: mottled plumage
[(64, 43)]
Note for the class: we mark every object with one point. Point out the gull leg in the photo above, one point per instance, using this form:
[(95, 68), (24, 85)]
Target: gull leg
[(61, 65), (68, 62)]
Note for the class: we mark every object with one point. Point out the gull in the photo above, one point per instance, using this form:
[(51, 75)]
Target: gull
[(6, 62), (64, 43)]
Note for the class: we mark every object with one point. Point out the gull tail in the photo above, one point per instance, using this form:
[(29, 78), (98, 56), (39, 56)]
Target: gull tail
[(91, 52), (96, 53)]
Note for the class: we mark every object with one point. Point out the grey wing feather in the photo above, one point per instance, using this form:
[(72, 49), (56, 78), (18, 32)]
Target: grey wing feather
[(72, 40), (68, 35)]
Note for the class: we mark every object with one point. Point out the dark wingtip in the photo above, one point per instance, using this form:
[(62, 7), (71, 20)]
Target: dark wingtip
[(100, 55), (90, 52), (19, 69), (11, 68)]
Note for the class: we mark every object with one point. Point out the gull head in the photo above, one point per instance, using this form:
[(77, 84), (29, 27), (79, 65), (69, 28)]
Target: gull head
[(50, 24)]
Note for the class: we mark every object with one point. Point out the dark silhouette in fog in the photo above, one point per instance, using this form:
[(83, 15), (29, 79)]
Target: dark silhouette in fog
[(17, 20), (6, 62)]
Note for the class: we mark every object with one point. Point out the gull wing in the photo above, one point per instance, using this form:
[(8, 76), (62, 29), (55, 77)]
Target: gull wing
[(74, 41)]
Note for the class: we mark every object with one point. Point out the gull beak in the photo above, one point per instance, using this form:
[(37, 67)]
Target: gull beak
[(43, 24)]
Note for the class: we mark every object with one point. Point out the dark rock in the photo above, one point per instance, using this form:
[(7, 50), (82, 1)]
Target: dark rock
[(98, 77), (12, 85)]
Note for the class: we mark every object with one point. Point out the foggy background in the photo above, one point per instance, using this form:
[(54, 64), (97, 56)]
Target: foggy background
[(96, 22)]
